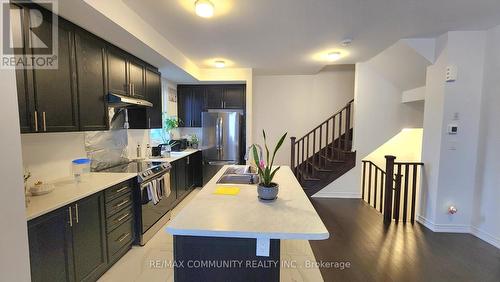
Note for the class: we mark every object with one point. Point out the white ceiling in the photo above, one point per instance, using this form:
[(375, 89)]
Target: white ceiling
[(282, 36)]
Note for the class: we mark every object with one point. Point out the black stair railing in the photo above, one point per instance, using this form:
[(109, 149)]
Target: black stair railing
[(391, 191), (326, 142)]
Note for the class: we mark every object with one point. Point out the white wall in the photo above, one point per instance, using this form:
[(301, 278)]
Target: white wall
[(378, 116), (14, 256), (450, 176), (486, 208), (297, 103)]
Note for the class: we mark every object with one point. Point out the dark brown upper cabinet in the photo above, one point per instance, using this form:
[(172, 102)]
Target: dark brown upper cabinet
[(73, 96), (225, 97), (136, 79), (153, 94), (125, 74), (195, 99), (55, 89), (190, 105), (215, 97), (91, 69), (117, 72), (234, 97)]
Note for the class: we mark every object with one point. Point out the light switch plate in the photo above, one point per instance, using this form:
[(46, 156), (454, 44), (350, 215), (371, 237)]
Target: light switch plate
[(451, 73)]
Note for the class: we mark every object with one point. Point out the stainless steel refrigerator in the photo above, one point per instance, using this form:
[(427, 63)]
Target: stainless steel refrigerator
[(220, 140)]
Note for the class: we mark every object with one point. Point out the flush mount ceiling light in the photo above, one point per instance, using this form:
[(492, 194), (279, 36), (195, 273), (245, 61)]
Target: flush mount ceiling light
[(204, 8), (333, 56), (220, 64)]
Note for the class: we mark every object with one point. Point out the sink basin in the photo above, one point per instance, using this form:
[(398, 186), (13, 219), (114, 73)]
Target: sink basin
[(239, 175), (238, 179)]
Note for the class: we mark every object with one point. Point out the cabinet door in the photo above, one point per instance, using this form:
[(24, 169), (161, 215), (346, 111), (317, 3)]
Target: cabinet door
[(184, 109), (136, 78), (89, 237), (25, 98), (55, 89), (196, 161), (234, 97), (117, 72), (90, 55), (214, 97), (153, 93), (197, 106), (181, 177), (50, 247)]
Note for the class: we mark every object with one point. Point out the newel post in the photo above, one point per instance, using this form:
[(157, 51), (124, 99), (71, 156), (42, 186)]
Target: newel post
[(389, 179), (292, 157)]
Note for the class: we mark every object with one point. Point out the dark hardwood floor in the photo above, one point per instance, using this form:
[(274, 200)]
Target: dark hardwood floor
[(398, 252)]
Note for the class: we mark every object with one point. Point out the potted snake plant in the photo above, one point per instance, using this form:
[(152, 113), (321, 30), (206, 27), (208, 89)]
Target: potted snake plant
[(267, 189)]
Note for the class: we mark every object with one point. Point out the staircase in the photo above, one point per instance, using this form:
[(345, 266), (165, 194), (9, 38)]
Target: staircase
[(325, 153)]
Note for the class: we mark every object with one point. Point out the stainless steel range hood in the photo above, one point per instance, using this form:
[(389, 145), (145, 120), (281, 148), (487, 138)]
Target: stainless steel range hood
[(120, 101), (118, 106)]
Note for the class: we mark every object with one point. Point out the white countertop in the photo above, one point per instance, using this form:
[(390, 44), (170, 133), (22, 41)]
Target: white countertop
[(173, 156), (68, 191), (291, 216)]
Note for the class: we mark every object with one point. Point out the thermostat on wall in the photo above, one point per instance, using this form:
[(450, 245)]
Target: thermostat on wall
[(452, 129)]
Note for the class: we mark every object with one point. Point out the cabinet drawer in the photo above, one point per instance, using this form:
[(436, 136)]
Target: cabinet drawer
[(119, 218), (118, 204), (122, 236), (118, 190)]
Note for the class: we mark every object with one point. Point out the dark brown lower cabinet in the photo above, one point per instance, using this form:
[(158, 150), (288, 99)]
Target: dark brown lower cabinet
[(72, 243)]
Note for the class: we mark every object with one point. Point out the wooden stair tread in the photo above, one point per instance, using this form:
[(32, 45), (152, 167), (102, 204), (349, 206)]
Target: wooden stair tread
[(318, 168)]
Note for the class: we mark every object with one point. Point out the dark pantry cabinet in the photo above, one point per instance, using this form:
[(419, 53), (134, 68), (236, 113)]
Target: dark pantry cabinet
[(72, 97), (190, 104), (69, 244)]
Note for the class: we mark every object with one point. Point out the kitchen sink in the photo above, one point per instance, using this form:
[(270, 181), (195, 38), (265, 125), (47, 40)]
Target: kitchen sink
[(239, 175)]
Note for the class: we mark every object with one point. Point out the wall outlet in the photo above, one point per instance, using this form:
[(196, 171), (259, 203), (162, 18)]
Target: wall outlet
[(451, 73)]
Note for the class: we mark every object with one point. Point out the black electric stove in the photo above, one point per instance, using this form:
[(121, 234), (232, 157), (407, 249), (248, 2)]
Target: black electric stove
[(145, 170)]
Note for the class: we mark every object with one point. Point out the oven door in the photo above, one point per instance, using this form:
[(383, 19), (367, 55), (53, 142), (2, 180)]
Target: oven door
[(150, 212)]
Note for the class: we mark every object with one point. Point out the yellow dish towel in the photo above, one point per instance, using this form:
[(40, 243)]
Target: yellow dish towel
[(227, 190)]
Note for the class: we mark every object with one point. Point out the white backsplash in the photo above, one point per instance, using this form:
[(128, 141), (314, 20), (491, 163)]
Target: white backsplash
[(48, 156)]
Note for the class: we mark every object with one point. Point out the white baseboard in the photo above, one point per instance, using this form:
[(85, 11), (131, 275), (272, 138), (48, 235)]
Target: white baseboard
[(343, 195), (485, 236), (459, 228), (445, 228)]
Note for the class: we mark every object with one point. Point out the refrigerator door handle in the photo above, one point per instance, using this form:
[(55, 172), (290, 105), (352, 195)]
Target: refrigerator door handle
[(221, 137), (217, 134)]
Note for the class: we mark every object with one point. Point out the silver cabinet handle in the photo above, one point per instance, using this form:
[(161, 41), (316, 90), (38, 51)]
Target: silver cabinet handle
[(133, 89), (70, 217), (76, 213), (122, 217), (123, 237), (149, 122), (122, 203), (36, 121), (44, 121), (187, 160), (121, 189)]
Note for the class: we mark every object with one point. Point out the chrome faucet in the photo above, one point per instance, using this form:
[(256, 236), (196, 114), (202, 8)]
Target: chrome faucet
[(247, 155)]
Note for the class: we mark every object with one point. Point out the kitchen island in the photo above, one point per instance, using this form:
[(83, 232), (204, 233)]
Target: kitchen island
[(227, 238)]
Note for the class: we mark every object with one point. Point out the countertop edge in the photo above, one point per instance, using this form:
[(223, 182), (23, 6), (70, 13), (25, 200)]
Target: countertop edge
[(252, 235)]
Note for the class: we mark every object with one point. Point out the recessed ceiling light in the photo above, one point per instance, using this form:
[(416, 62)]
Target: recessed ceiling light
[(220, 64), (333, 56), (204, 8)]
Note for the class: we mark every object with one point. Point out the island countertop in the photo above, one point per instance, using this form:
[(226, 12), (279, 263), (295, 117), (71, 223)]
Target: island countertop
[(290, 216)]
